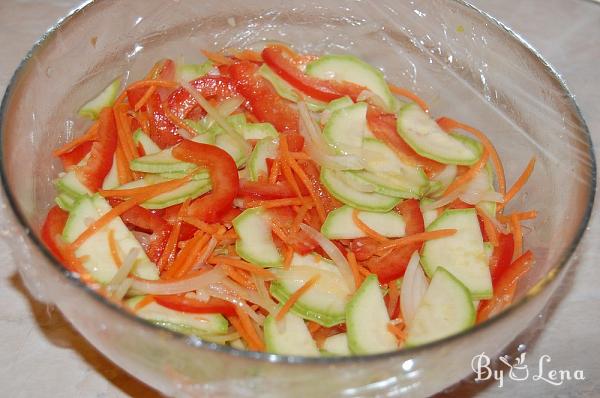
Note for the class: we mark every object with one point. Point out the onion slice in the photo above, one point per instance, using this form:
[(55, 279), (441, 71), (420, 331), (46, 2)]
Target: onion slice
[(334, 254), (414, 286), (142, 286), (123, 271)]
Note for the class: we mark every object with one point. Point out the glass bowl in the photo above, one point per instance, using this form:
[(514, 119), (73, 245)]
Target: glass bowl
[(463, 62)]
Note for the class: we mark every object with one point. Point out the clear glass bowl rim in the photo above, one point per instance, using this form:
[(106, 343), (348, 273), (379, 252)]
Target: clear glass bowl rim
[(289, 359)]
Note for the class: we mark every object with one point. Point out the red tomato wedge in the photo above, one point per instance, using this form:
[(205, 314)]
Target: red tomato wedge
[(182, 104), (393, 265), (92, 173), (184, 304), (265, 103), (223, 174), (383, 126)]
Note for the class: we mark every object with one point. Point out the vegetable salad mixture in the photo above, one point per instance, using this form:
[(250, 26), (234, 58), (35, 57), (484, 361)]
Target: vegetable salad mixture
[(289, 203)]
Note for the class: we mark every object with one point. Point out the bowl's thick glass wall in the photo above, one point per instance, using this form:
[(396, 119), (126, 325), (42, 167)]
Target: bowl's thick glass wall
[(463, 64)]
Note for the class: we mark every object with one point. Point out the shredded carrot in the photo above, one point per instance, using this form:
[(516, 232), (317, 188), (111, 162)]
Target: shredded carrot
[(211, 229), (351, 257), (449, 124), (146, 83), (145, 98), (469, 175), (296, 296), (246, 266), (363, 271), (124, 173), (370, 232), (299, 155), (489, 227), (397, 332), (521, 216), (285, 166), (515, 227), (217, 58), (518, 185), (248, 55), (238, 277), (126, 205), (168, 255), (160, 187), (246, 323), (393, 298), (114, 249), (419, 237), (305, 180), (237, 325), (278, 231), (313, 327), (299, 218), (124, 135), (90, 135), (275, 169), (177, 121), (410, 95), (269, 204), (143, 302), (287, 260), (188, 256)]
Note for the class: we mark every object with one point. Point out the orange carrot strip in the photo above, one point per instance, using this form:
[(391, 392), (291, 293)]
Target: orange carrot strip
[(194, 253), (449, 124), (246, 266), (518, 185), (285, 166), (363, 271), (366, 229), (268, 204), (521, 216), (397, 332), (296, 296), (217, 58), (124, 173), (177, 121), (469, 175), (410, 95), (351, 257), (168, 255), (313, 327), (299, 218), (393, 297), (201, 225), (249, 327), (248, 55), (304, 178), (275, 169), (146, 83), (287, 260), (299, 155), (419, 237), (238, 277), (237, 325), (515, 227), (114, 249), (145, 98), (90, 135), (489, 227), (131, 192), (278, 231), (183, 257), (126, 205), (143, 302)]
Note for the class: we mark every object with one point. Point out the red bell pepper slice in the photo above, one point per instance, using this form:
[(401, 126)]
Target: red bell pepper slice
[(162, 130), (182, 104), (76, 155), (295, 141), (393, 265), (223, 175), (263, 190), (266, 105), (363, 248), (101, 153), (52, 229), (193, 306), (502, 256), (383, 126)]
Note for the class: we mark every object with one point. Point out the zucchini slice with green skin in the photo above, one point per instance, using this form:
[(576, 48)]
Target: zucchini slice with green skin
[(342, 191), (149, 146), (160, 162), (107, 97), (255, 240), (65, 201), (347, 127), (337, 345), (339, 103), (325, 302), (285, 90), (189, 190), (258, 131), (340, 225), (424, 135), (69, 184), (290, 336), (257, 162), (96, 250), (367, 320), (189, 72), (446, 309), (462, 254), (199, 325), (354, 70), (112, 178)]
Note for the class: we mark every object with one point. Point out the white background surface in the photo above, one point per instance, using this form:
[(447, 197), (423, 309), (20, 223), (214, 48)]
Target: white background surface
[(41, 354)]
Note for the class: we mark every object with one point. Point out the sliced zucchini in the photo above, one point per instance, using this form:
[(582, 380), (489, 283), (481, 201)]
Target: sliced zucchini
[(446, 309), (183, 322), (429, 216), (255, 241), (70, 184), (342, 191), (189, 190), (340, 225), (257, 162), (92, 108), (189, 72), (285, 90), (347, 127), (325, 302), (160, 162), (95, 251), (339, 103), (351, 69), (462, 254), (424, 135), (258, 131), (149, 146), (65, 201), (112, 178), (230, 145), (367, 320), (290, 336), (337, 345)]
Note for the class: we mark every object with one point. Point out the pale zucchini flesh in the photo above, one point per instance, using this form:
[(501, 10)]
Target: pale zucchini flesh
[(290, 336), (347, 127), (255, 242), (106, 98), (340, 225), (337, 345)]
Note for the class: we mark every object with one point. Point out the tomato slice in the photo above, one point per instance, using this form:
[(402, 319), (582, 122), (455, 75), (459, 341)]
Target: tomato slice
[(262, 190), (312, 172), (223, 174), (383, 126), (92, 173), (266, 105), (162, 130), (184, 304), (363, 248), (182, 104), (76, 155), (393, 265), (299, 240)]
